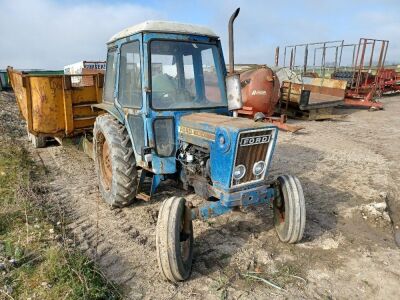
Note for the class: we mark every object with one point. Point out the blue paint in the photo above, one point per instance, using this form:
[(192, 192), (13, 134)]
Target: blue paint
[(261, 195), (155, 183), (222, 156), (210, 210)]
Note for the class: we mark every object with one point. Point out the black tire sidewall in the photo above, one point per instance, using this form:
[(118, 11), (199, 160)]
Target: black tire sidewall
[(283, 228), (291, 231), (107, 129), (169, 255), (99, 139), (183, 266)]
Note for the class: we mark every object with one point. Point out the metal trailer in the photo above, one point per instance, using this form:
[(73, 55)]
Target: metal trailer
[(310, 100), (306, 93), (291, 51), (52, 106), (367, 78), (388, 82), (171, 113), (337, 61)]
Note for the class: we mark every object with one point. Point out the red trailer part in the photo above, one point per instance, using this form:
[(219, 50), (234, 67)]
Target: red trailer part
[(388, 81), (365, 81)]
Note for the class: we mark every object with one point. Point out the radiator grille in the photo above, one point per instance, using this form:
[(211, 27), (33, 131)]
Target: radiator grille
[(252, 146)]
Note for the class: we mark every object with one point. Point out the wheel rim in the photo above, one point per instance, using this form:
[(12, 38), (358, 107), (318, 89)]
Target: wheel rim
[(184, 243), (279, 209), (106, 168)]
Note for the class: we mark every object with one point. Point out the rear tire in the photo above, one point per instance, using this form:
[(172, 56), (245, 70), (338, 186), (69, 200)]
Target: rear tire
[(115, 161), (289, 209), (174, 246)]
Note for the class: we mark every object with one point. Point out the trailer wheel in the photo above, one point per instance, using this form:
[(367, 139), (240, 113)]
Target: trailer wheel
[(37, 141), (289, 209), (115, 161), (174, 245), (29, 135)]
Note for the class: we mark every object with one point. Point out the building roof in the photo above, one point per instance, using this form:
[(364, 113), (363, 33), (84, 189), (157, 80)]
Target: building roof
[(165, 27)]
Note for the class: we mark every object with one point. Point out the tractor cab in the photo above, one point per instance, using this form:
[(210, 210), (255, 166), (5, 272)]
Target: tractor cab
[(158, 71)]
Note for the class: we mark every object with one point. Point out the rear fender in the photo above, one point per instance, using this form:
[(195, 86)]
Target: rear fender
[(111, 109)]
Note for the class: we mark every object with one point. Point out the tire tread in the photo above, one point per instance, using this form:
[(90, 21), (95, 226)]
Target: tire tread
[(124, 180)]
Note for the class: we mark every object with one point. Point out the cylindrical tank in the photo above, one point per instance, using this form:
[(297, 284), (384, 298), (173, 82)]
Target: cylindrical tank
[(260, 90)]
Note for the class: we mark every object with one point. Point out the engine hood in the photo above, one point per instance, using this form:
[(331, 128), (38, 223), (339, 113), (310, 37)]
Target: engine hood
[(202, 128), (230, 141)]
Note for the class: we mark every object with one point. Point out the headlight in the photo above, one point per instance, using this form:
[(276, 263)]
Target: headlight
[(239, 172), (259, 168)]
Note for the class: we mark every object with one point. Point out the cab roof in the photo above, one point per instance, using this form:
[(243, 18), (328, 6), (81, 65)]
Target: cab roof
[(163, 27)]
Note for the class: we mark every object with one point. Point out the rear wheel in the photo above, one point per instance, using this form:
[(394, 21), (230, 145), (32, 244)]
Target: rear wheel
[(289, 209), (115, 161), (174, 240)]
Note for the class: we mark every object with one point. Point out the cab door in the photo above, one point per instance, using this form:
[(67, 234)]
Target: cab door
[(130, 93)]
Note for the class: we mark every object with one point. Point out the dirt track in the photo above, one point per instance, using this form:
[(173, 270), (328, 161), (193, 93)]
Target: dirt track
[(348, 250)]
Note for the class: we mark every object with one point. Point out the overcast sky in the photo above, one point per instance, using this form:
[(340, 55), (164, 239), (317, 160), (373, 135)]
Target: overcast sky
[(49, 34)]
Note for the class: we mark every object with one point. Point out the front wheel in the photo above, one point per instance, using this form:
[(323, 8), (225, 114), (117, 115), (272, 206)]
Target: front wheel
[(174, 239), (289, 209)]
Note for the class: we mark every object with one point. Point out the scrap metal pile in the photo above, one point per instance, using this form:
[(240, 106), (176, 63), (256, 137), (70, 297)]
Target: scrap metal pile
[(328, 74), (364, 73)]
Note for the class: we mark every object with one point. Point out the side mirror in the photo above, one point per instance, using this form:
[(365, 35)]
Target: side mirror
[(233, 92)]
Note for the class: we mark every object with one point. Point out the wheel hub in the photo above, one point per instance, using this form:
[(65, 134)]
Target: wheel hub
[(279, 206), (106, 166)]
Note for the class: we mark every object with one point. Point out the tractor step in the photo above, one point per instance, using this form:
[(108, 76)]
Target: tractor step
[(143, 196), (146, 189)]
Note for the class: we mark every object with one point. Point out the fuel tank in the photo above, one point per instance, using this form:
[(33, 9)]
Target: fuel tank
[(260, 90)]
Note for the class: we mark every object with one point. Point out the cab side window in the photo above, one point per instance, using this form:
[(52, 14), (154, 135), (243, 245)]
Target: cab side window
[(130, 84), (110, 75)]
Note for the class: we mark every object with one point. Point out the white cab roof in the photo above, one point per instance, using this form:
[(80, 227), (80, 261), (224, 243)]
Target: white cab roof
[(165, 27)]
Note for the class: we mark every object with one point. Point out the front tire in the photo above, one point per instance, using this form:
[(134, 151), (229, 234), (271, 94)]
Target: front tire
[(174, 245), (289, 209), (115, 161)]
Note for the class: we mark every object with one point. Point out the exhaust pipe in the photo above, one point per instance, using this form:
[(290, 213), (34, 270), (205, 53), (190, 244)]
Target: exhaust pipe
[(277, 56), (231, 48)]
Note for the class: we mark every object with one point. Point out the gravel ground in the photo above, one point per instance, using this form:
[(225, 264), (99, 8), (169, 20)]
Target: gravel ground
[(349, 171)]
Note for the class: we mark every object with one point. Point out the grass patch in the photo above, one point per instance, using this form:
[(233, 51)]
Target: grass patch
[(34, 261)]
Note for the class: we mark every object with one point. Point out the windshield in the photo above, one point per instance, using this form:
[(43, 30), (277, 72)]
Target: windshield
[(184, 75)]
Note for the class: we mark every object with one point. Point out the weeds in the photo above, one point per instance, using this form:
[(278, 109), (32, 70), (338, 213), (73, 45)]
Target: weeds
[(286, 274), (34, 261)]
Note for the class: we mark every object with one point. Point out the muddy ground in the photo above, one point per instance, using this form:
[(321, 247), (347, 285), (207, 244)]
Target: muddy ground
[(349, 171)]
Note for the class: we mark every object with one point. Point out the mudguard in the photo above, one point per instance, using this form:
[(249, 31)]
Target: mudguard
[(110, 108)]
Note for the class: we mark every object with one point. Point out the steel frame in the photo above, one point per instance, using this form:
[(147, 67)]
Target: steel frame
[(364, 87), (324, 45)]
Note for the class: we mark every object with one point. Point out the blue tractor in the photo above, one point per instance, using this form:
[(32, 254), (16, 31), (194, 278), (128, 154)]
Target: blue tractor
[(170, 114)]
